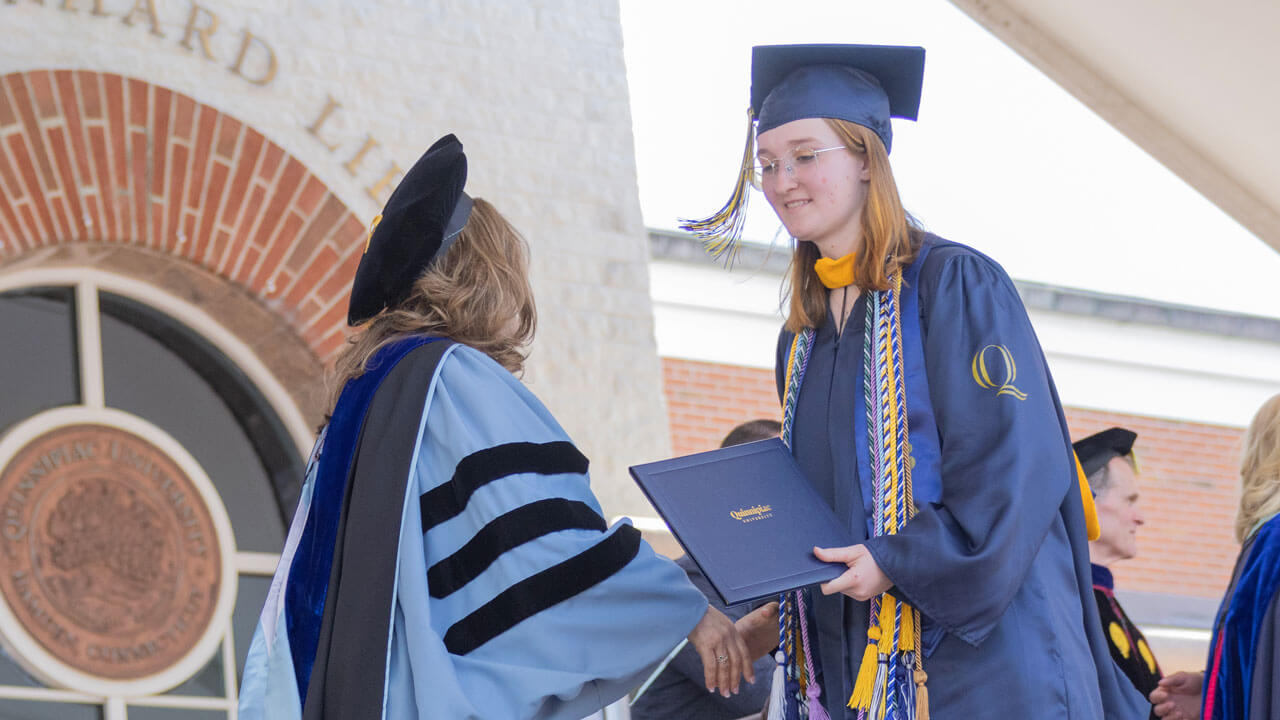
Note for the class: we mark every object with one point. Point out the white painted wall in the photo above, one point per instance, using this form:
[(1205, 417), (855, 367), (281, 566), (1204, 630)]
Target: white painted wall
[(536, 90), (706, 313)]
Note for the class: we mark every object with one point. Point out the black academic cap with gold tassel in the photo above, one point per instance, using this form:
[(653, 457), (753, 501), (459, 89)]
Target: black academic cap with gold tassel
[(863, 84)]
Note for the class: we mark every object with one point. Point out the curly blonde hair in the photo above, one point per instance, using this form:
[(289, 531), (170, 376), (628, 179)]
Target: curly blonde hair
[(478, 294), (1260, 469)]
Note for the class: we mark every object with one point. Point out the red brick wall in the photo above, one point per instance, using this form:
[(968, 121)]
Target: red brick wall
[(705, 401), (1188, 480), (1189, 485), (89, 157)]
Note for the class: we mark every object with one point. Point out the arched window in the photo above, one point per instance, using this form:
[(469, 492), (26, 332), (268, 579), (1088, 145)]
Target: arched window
[(97, 350)]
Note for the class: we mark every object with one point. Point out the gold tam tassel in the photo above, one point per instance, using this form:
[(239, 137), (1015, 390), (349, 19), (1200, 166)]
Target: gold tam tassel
[(888, 604), (721, 232), (922, 695), (879, 647), (863, 687), (907, 631)]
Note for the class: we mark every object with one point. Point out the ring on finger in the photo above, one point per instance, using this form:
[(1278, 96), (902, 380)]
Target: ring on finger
[(722, 658)]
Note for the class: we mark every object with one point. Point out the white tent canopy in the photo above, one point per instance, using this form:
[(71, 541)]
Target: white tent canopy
[(1194, 84)]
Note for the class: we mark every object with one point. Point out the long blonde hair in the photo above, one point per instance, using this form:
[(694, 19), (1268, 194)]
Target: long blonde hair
[(890, 237), (1260, 469), (478, 294)]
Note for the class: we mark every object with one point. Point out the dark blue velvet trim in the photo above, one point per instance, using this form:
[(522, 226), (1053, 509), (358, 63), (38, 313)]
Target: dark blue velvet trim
[(482, 467), (309, 574), (922, 427), (507, 532), (926, 474), (543, 590), (1102, 577), (1255, 589)]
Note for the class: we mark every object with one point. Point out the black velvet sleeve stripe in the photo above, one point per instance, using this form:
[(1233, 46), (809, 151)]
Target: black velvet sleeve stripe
[(507, 532), (484, 466), (543, 590)]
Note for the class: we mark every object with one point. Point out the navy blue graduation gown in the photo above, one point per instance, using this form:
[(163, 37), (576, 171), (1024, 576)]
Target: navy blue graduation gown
[(998, 563)]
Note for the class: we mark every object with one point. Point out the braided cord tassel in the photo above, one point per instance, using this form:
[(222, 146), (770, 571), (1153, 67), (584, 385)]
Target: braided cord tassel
[(891, 393), (798, 681), (913, 657), (864, 685), (813, 691), (885, 678), (797, 363)]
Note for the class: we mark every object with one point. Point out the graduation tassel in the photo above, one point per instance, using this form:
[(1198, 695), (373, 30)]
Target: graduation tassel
[(777, 703), (907, 633), (922, 695), (920, 677), (906, 689), (721, 232), (877, 692), (880, 694), (888, 606), (812, 690), (862, 689)]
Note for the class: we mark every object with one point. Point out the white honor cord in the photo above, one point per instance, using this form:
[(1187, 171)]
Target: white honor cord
[(658, 670)]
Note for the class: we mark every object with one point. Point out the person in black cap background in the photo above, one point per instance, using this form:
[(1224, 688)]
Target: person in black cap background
[(448, 559), (917, 401), (1108, 461)]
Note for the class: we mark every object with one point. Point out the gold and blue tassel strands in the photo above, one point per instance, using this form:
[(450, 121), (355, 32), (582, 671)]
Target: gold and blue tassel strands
[(721, 233), (796, 695), (892, 661)]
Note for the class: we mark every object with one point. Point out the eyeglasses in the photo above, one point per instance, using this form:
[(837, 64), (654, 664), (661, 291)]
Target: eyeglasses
[(794, 161)]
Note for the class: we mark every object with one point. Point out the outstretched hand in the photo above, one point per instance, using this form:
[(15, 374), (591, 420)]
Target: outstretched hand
[(1177, 697), (862, 581), (759, 630), (724, 654)]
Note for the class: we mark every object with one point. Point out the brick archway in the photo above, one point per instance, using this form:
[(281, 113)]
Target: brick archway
[(97, 158)]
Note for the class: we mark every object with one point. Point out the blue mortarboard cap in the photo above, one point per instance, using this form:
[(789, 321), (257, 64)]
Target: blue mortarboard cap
[(421, 220), (864, 84)]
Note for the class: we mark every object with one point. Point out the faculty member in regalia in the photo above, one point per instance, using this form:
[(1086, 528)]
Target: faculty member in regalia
[(448, 559), (1108, 462), (1241, 680), (917, 401)]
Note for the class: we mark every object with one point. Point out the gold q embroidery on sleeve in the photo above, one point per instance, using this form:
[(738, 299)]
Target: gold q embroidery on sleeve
[(998, 358)]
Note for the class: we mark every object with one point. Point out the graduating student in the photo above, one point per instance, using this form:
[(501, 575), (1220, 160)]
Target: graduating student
[(1108, 461), (448, 559), (917, 401)]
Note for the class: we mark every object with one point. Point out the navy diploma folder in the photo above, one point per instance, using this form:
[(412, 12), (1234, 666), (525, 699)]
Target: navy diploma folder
[(747, 517)]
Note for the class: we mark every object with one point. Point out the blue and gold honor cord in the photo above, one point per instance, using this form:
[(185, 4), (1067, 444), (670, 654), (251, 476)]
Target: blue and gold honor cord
[(892, 662)]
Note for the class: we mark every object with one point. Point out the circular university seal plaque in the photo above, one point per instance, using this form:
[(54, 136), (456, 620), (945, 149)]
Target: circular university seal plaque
[(110, 558)]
